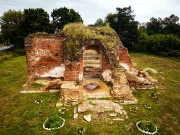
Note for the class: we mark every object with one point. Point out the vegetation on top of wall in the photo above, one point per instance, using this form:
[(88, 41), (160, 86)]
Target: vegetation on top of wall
[(77, 33)]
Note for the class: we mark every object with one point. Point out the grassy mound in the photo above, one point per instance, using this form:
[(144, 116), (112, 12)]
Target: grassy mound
[(75, 34)]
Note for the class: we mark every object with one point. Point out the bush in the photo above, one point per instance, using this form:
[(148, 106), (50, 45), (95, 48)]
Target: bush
[(165, 45)]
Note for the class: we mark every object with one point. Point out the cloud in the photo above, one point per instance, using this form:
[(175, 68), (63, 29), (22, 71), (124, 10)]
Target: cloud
[(91, 10)]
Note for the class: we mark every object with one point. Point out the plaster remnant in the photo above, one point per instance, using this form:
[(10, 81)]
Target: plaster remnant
[(125, 66), (80, 77), (55, 72), (107, 75)]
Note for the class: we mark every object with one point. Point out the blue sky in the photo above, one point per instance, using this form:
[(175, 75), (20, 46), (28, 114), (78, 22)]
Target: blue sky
[(91, 10)]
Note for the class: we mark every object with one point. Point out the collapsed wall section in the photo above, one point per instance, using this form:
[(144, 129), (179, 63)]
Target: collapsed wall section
[(44, 56), (124, 59)]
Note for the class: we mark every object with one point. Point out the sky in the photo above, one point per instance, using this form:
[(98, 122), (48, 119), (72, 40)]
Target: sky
[(91, 10)]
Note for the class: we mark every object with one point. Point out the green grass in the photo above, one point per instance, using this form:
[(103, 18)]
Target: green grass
[(20, 115), (36, 86)]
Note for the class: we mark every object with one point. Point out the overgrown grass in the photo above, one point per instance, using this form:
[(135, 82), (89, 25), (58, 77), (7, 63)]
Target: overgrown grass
[(20, 115)]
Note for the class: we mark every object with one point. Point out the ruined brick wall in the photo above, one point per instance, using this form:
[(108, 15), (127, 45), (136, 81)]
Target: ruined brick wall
[(73, 71), (44, 55), (124, 58)]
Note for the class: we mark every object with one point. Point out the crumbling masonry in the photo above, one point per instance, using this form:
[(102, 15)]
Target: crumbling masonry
[(54, 56)]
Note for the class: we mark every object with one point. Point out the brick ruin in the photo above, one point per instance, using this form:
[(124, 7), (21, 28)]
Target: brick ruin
[(47, 57)]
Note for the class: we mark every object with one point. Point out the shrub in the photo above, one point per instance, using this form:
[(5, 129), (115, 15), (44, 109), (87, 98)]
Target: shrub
[(54, 122), (159, 44)]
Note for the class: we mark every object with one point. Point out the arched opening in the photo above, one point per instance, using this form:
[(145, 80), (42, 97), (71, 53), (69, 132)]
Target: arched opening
[(92, 64)]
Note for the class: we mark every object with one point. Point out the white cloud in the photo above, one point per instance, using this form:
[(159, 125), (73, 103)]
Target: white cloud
[(91, 10)]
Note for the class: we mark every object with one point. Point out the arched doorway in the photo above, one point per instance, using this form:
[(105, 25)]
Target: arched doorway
[(92, 64)]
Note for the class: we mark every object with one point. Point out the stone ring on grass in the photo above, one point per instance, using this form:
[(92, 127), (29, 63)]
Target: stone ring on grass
[(146, 127)]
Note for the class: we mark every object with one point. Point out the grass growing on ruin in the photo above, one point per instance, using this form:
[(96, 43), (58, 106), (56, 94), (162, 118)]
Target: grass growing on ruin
[(77, 33), (20, 114)]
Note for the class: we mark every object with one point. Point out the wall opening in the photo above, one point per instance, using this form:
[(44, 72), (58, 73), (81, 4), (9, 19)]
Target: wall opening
[(92, 64)]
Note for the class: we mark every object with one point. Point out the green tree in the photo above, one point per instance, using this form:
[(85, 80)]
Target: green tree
[(171, 25), (123, 23), (35, 20), (154, 26), (99, 22), (63, 16), (172, 19), (11, 22)]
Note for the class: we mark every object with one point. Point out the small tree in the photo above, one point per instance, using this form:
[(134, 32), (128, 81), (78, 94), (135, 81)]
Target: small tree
[(99, 22)]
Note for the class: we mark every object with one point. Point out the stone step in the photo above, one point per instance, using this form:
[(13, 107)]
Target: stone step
[(91, 73), (90, 68), (93, 65), (92, 62), (89, 56), (92, 77)]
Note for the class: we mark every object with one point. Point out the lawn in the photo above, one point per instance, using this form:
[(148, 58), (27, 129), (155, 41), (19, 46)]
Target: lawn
[(20, 115)]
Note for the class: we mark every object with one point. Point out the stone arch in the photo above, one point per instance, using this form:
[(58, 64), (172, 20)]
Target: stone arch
[(98, 47)]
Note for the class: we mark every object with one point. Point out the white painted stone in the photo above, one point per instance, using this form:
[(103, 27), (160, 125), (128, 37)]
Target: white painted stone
[(59, 104), (75, 110), (113, 114), (32, 91), (75, 115), (118, 119), (135, 101), (55, 72), (87, 117), (53, 91)]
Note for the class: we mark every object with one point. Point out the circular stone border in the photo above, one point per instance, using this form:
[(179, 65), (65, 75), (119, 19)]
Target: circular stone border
[(146, 132), (54, 128)]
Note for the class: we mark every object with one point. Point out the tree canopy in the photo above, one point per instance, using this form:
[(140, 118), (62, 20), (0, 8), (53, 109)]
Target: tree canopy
[(63, 16), (11, 22), (35, 20), (157, 36), (123, 23), (154, 26)]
